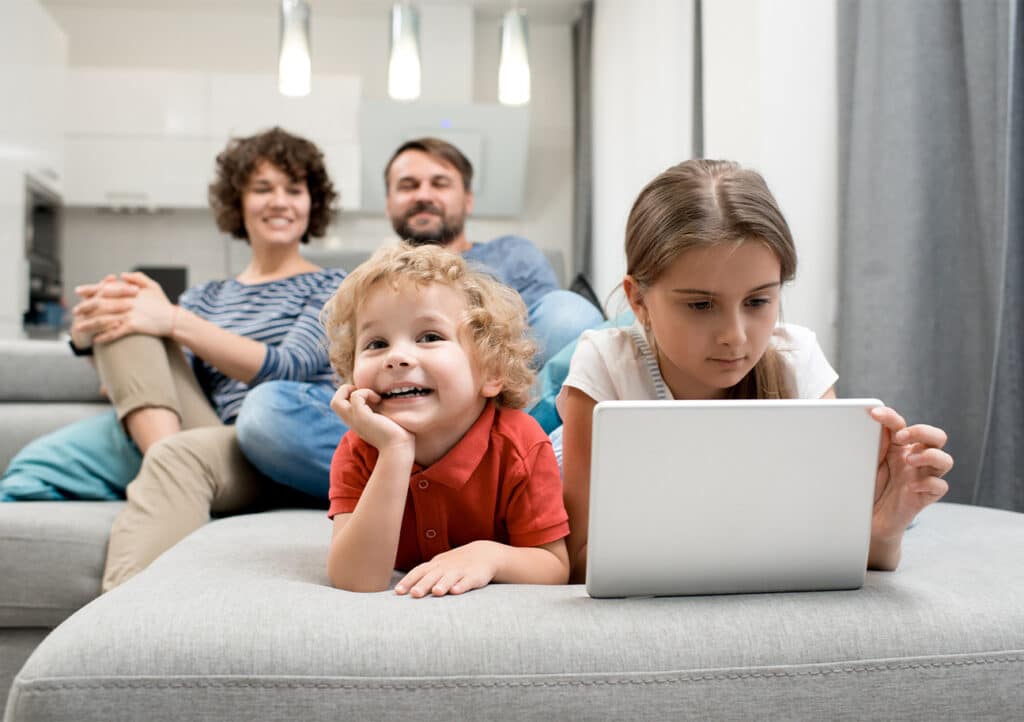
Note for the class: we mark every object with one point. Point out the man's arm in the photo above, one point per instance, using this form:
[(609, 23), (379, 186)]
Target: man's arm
[(517, 263)]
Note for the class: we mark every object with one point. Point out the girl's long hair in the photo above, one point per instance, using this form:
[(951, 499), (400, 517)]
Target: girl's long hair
[(702, 203)]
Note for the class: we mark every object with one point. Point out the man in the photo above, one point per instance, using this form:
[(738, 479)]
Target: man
[(428, 198), (287, 429)]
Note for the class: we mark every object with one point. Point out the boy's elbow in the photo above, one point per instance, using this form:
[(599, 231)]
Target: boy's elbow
[(350, 584), (360, 588), (343, 578)]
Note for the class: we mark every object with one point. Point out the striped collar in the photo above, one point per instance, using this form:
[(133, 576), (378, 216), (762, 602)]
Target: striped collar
[(650, 360)]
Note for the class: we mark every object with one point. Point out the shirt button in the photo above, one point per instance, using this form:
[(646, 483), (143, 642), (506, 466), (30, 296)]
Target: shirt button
[(430, 533), (423, 483)]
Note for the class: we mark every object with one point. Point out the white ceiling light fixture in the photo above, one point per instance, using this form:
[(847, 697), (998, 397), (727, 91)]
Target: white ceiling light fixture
[(514, 67), (404, 60), (293, 65)]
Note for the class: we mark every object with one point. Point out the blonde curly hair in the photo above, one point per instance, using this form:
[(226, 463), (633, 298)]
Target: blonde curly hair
[(495, 318)]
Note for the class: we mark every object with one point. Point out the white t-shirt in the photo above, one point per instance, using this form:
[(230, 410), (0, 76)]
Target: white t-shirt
[(618, 364)]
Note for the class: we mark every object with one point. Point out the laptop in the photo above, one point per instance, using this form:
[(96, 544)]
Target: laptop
[(723, 497)]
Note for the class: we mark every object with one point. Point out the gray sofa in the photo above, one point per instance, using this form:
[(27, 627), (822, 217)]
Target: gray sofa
[(238, 622)]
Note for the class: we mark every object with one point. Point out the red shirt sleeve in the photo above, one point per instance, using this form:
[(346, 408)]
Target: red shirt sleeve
[(351, 466), (536, 514)]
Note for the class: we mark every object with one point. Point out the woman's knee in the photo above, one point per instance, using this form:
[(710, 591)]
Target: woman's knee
[(198, 471), (176, 466), (136, 373)]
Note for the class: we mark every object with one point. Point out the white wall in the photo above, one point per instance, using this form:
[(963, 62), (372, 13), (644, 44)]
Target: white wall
[(244, 39), (771, 102), (642, 79), (33, 53)]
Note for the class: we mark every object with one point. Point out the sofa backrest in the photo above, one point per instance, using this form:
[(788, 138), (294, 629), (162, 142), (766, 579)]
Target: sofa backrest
[(346, 258), (45, 371), (42, 387)]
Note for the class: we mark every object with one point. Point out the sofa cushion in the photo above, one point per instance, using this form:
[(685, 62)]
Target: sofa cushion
[(51, 558), (45, 371), (91, 459), (237, 623), (25, 422)]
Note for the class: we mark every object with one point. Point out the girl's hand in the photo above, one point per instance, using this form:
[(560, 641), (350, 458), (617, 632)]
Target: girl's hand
[(911, 464), (453, 572), (355, 407), (116, 310)]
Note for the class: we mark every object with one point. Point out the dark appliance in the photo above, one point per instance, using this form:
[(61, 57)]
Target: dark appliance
[(43, 209)]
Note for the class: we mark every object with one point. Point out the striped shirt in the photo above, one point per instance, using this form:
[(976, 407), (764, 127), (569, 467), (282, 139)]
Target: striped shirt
[(283, 314)]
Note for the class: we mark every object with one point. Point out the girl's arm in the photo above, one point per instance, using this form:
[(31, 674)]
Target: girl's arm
[(361, 556), (578, 417), (478, 563), (911, 466)]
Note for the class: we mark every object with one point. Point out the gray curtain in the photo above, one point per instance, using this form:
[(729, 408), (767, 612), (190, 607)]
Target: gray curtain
[(582, 236), (923, 226), (1001, 480)]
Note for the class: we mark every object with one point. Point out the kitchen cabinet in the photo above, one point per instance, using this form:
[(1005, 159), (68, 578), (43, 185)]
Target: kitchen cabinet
[(120, 102), (246, 103), (138, 172), (147, 138)]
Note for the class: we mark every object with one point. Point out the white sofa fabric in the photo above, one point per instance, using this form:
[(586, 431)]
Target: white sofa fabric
[(238, 622)]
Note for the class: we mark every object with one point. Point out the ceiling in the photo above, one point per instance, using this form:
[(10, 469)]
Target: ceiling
[(543, 11)]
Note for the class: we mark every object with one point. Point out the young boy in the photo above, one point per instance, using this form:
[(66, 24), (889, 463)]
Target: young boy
[(440, 474)]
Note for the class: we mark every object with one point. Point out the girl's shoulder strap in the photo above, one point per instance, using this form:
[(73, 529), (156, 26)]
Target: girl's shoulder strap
[(649, 361)]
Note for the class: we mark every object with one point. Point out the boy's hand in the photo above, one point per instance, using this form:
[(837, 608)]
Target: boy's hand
[(453, 572), (355, 407), (910, 466)]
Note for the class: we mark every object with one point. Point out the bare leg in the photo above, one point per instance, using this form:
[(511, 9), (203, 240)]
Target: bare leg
[(152, 387), (148, 425)]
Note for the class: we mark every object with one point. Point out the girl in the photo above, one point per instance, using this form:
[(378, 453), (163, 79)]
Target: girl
[(707, 252)]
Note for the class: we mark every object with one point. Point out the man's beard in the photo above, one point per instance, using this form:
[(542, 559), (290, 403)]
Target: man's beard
[(440, 236)]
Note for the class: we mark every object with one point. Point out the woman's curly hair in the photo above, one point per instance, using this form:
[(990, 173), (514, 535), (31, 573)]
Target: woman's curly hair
[(495, 319), (300, 159)]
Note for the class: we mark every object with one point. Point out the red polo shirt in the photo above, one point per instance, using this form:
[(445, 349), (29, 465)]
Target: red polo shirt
[(500, 482)]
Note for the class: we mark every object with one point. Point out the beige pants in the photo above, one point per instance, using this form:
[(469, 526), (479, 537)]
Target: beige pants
[(183, 477)]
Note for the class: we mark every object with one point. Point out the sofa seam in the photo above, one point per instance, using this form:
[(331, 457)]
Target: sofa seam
[(40, 687), (35, 539)]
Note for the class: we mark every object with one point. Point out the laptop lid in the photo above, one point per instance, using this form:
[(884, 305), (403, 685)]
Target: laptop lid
[(717, 497)]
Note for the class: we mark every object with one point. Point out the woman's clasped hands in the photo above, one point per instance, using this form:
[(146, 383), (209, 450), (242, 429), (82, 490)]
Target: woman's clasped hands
[(121, 305)]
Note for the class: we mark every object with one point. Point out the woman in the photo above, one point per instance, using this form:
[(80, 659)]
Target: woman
[(272, 190)]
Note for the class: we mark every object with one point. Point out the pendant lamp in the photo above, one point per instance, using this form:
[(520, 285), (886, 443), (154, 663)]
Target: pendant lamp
[(293, 65), (514, 66), (404, 60)]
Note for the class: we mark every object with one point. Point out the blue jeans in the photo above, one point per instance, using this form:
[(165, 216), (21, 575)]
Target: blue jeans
[(288, 431), (558, 319)]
